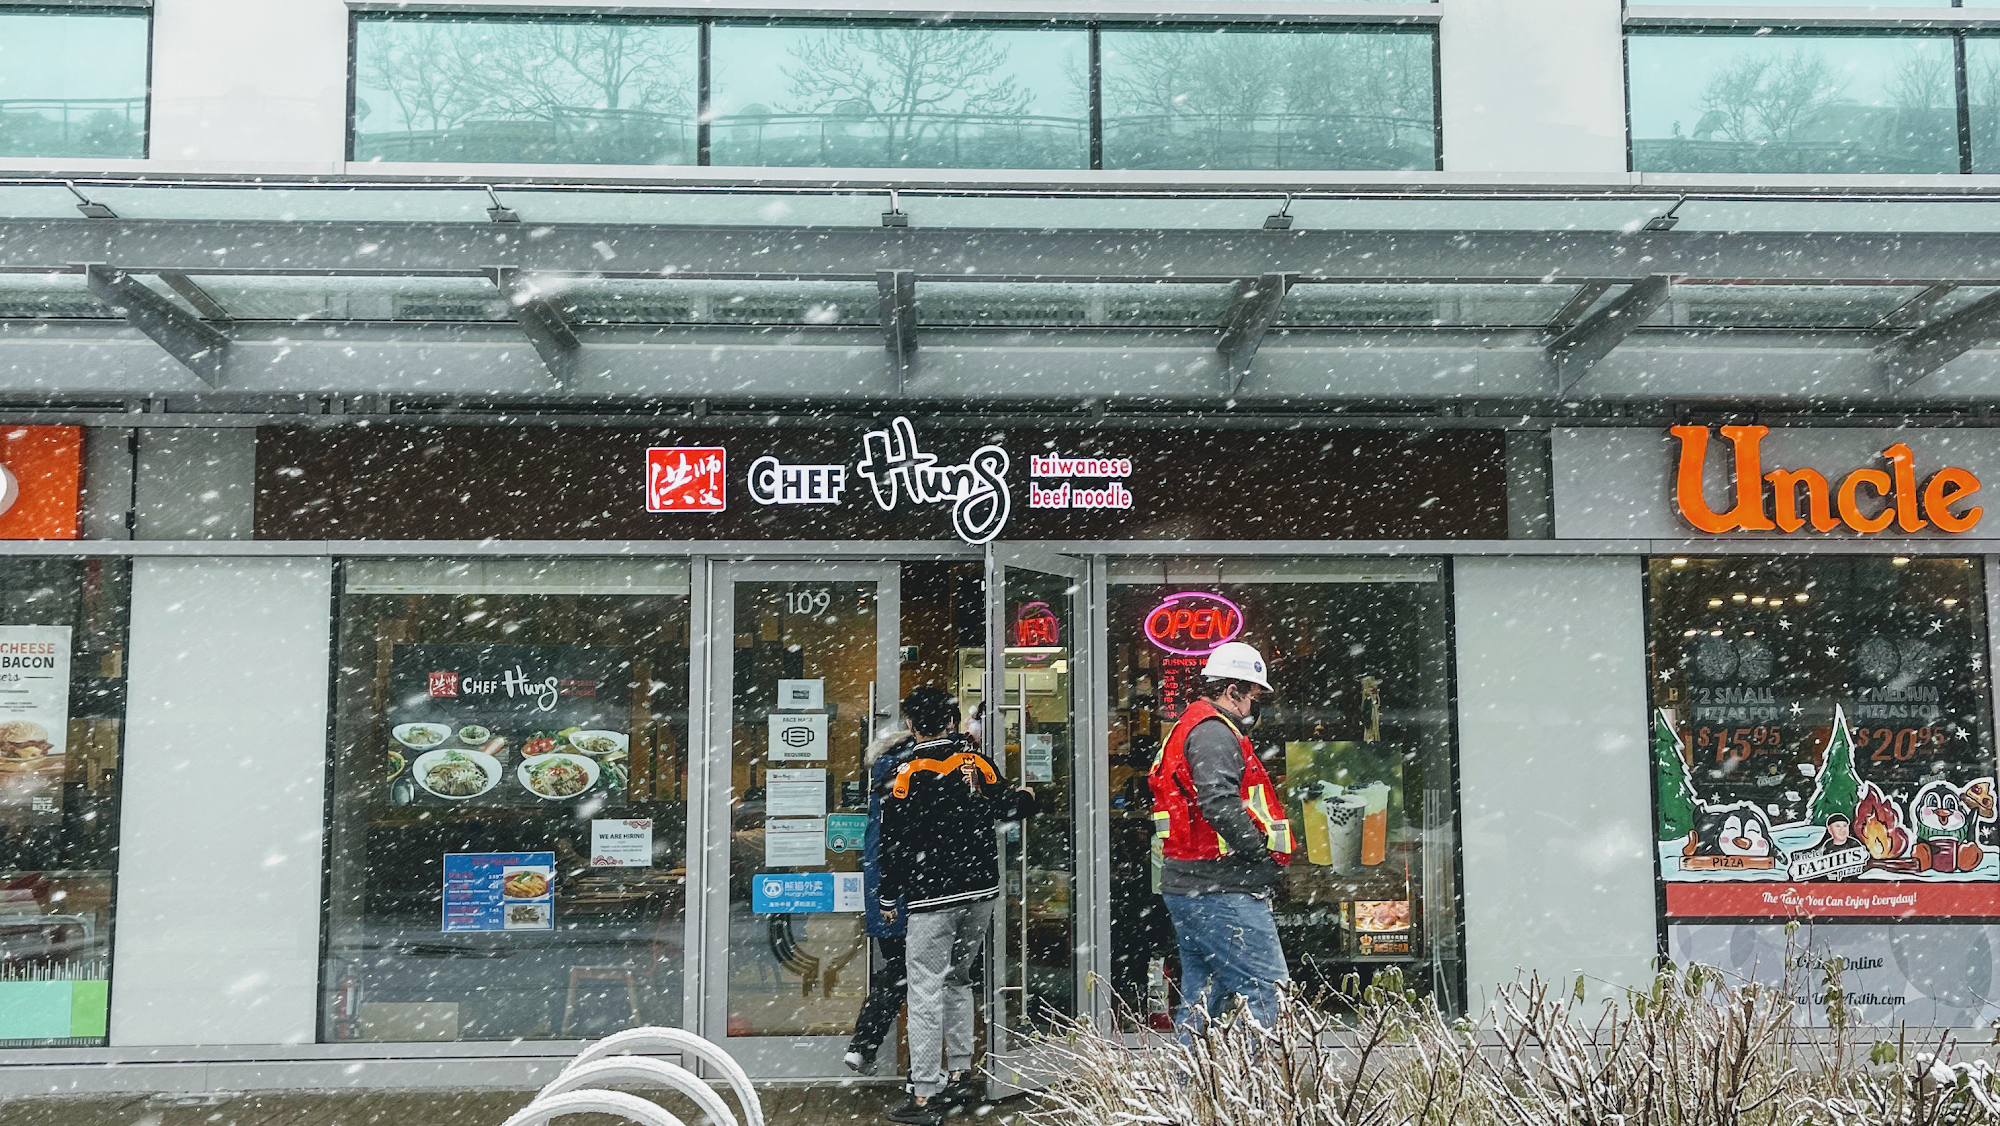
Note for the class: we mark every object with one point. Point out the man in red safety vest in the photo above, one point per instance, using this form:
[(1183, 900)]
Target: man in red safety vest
[(1224, 841)]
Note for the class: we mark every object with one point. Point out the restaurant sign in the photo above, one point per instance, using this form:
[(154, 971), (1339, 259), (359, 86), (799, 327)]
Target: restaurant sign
[(1868, 500), (898, 478), (1785, 482)]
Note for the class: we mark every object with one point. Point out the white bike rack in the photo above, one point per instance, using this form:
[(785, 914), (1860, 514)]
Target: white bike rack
[(625, 1058)]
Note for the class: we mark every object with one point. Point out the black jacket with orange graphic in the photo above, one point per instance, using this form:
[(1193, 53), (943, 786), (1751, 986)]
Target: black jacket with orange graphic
[(938, 848)]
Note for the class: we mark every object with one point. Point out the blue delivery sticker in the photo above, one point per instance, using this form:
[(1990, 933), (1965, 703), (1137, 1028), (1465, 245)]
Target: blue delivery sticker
[(803, 893), (775, 893)]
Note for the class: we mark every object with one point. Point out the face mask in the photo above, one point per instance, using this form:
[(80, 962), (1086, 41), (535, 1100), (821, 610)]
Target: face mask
[(1252, 714)]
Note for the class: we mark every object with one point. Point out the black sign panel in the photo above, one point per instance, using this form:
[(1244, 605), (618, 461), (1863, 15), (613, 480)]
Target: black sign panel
[(893, 479)]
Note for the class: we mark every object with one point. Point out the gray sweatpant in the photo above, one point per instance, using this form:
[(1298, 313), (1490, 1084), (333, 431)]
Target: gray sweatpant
[(944, 949)]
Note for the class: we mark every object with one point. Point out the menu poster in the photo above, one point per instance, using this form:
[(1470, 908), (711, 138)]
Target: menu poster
[(508, 725), (499, 891), (1826, 753), (34, 724)]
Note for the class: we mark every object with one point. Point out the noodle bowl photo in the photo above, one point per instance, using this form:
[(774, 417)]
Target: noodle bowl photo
[(456, 775)]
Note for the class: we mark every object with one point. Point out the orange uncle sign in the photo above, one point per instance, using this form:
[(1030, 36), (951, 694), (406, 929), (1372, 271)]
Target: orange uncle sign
[(1869, 500)]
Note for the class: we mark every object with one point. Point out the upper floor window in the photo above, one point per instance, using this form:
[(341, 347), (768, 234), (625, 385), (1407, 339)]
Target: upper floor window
[(876, 94), (533, 91), (1326, 97), (73, 82), (1740, 91)]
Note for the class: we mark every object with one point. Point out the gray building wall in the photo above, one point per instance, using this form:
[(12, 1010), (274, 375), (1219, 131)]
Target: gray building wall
[(1556, 802), (224, 803)]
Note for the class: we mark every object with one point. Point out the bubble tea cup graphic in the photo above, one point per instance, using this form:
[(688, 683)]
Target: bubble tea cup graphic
[(1374, 823), (1333, 828)]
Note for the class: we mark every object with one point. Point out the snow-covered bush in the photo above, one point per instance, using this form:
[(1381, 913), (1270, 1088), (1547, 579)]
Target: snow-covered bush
[(1693, 1049)]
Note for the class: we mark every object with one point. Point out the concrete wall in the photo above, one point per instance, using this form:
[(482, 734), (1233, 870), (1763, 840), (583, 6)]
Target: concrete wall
[(1555, 798), (224, 798), (1533, 87)]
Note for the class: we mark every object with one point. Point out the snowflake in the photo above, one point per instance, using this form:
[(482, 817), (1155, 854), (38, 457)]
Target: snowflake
[(1666, 674), (1832, 652), (1798, 708), (1784, 623), (1936, 625)]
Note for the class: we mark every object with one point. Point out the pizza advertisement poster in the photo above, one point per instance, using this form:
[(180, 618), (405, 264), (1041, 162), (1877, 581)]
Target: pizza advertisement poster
[(1819, 738)]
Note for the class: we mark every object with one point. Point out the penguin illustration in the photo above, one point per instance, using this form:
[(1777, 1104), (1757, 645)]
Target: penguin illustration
[(1740, 830), (1947, 819)]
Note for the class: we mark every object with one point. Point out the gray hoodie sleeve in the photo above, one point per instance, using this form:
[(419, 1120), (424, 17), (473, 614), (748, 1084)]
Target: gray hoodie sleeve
[(1215, 759)]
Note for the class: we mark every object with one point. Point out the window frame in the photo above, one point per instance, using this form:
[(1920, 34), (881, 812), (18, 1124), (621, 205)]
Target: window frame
[(1754, 26), (128, 8)]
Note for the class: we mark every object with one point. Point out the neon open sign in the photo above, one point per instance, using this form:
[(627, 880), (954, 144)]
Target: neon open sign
[(1193, 623)]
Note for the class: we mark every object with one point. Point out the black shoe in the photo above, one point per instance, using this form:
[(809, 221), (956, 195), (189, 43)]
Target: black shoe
[(966, 1088), (928, 1114)]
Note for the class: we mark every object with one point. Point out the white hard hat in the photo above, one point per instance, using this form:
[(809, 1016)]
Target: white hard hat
[(1236, 661)]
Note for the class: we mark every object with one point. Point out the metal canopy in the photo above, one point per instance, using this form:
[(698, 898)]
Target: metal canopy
[(1892, 301)]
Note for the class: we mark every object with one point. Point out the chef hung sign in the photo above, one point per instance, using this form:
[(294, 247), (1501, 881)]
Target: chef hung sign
[(1787, 483)]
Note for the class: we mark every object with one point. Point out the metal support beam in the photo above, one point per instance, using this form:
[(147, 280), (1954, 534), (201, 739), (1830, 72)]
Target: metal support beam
[(198, 347), (541, 321), (1919, 352), (1911, 312), (195, 295), (898, 289), (1578, 304), (1252, 311), (1575, 351)]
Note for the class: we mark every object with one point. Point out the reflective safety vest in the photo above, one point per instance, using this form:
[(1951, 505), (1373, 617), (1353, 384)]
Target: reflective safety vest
[(1184, 833)]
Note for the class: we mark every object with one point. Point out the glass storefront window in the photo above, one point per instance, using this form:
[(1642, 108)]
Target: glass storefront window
[(1790, 690), (1358, 737), (1822, 749), (73, 83), (63, 625), (509, 799), (524, 90), (900, 97), (1243, 98), (1821, 102)]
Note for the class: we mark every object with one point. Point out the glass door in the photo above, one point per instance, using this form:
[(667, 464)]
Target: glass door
[(803, 667), (1035, 674)]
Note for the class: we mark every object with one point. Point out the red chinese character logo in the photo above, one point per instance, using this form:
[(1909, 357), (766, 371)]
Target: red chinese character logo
[(684, 479), (443, 684)]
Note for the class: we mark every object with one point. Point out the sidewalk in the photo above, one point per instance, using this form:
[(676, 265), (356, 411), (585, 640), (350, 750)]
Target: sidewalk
[(826, 1104)]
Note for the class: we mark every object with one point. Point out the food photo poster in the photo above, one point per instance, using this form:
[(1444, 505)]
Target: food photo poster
[(34, 724), (508, 725)]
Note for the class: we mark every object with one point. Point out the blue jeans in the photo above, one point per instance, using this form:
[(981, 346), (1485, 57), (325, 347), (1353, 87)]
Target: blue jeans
[(1229, 948)]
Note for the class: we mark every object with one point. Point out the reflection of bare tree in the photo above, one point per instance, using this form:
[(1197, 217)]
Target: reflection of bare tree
[(1765, 96), (443, 76), (907, 81), (1313, 91)]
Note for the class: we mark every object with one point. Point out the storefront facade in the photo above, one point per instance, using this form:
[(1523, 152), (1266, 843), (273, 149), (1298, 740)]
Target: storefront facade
[(649, 739), (458, 535)]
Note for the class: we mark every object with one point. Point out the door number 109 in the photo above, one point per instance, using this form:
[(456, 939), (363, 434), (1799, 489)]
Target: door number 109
[(808, 601)]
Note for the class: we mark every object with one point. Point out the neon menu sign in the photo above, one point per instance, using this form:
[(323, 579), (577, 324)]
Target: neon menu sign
[(1193, 623)]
